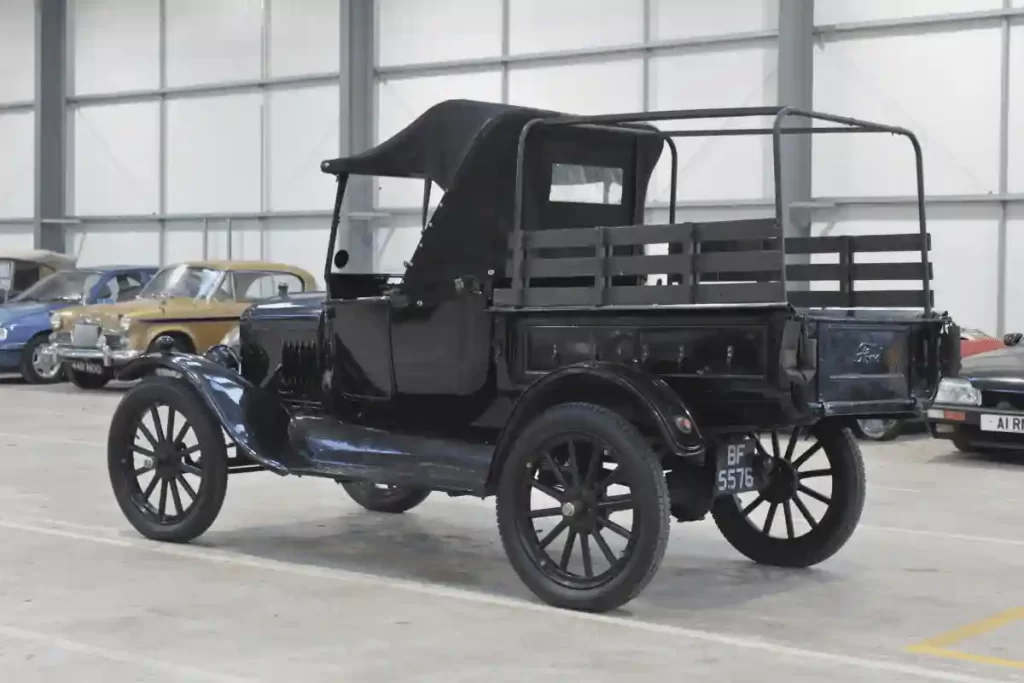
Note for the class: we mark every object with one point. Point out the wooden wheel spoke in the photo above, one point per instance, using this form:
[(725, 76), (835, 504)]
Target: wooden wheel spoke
[(176, 497), (188, 488), (573, 465), (170, 423), (553, 466), (158, 424), (613, 477), (162, 505), (791, 446), (192, 449), (570, 542), (810, 474), (614, 528), (596, 460), (754, 505), (776, 451), (149, 435), (553, 534), (545, 512), (820, 497), (603, 545), (152, 487), (787, 510), (807, 455), (140, 450), (805, 512), (619, 503), (547, 490), (182, 432), (766, 529), (191, 469), (588, 561), (148, 467)]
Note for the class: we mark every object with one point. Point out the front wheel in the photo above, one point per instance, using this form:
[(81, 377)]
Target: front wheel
[(38, 367), (568, 472), (86, 380), (392, 499), (167, 461), (819, 489)]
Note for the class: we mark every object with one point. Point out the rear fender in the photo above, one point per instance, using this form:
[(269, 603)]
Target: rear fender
[(255, 419), (614, 386)]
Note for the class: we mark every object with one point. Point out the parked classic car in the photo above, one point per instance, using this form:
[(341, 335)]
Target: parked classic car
[(189, 305), (523, 354), (972, 341), (25, 319), (22, 268), (982, 408)]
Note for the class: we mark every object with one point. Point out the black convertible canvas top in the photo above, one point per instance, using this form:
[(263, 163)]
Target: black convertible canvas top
[(434, 145)]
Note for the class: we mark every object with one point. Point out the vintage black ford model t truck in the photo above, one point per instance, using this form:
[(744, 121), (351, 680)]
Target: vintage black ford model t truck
[(537, 348)]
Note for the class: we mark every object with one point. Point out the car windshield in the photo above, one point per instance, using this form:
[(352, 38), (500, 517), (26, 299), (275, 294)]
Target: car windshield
[(70, 285), (181, 281)]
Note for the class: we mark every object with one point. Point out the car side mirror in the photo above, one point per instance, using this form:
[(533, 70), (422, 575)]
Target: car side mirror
[(1013, 338)]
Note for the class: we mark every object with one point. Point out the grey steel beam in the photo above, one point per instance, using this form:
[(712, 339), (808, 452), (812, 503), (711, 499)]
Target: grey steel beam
[(51, 124), (358, 54), (162, 130), (206, 89), (905, 25), (795, 88), (12, 107), (1004, 171), (596, 54)]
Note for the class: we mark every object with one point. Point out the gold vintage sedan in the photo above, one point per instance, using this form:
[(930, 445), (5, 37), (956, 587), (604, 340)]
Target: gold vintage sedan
[(193, 304)]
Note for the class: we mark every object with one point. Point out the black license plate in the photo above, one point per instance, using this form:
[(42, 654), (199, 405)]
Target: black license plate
[(87, 367), (736, 472)]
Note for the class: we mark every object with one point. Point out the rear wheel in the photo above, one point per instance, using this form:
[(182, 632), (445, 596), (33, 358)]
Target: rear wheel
[(818, 486), (37, 367), (380, 498), (568, 473), (877, 429), (167, 461)]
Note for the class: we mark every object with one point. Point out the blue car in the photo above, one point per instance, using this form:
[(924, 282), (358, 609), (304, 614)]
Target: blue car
[(25, 319)]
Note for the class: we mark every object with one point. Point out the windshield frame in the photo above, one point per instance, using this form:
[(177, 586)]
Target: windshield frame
[(211, 287), (86, 291)]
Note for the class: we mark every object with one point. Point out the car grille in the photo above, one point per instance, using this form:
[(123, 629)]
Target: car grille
[(85, 334), (1003, 400), (62, 337)]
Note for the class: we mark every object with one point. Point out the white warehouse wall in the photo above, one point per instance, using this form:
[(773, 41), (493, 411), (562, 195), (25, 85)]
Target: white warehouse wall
[(17, 127)]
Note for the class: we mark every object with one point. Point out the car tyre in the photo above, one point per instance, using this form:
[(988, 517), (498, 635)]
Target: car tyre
[(877, 429), (563, 453), (389, 499), (827, 535), (30, 368), (85, 380), (172, 459)]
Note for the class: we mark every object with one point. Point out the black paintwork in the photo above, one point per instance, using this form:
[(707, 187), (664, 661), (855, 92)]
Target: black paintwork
[(426, 379)]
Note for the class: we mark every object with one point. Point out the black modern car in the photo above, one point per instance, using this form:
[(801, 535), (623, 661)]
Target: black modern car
[(982, 408)]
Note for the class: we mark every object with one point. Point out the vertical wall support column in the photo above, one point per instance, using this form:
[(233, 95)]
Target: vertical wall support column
[(358, 51), (1004, 167), (796, 86), (51, 124)]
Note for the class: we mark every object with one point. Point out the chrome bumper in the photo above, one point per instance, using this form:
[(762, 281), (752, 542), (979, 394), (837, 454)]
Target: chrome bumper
[(110, 358)]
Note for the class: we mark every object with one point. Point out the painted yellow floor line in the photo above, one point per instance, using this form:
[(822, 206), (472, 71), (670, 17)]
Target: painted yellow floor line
[(939, 646)]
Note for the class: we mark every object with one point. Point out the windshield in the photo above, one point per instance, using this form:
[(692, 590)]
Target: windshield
[(181, 281), (69, 285)]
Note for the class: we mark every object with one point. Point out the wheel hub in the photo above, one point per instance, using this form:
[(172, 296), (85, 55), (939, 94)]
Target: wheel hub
[(570, 509), (782, 481)]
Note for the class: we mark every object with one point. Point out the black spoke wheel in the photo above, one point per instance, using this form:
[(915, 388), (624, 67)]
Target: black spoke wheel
[(167, 461), (382, 498), (810, 506), (583, 508)]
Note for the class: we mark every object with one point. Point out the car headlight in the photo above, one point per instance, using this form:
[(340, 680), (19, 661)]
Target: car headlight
[(125, 324), (55, 321), (232, 338), (3, 334), (957, 391)]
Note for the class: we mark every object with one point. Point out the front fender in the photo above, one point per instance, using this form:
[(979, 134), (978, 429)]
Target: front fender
[(255, 419), (603, 382)]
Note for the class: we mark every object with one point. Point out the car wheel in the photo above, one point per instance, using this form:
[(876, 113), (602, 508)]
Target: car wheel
[(86, 380), (877, 429), (35, 367), (377, 498), (572, 455), (796, 486), (167, 461)]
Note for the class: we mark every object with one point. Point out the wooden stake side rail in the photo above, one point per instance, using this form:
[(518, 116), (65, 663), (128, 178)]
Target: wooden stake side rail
[(728, 262)]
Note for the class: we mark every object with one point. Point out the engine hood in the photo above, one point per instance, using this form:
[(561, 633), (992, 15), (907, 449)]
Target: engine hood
[(110, 315), (1003, 367), (10, 313)]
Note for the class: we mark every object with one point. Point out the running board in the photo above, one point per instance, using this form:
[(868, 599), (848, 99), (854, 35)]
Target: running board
[(335, 449)]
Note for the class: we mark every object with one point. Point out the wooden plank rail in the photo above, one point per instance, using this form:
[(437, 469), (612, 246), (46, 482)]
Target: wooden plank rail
[(727, 262)]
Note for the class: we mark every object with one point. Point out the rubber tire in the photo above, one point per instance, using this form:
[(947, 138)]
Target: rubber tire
[(178, 394), (647, 479), (889, 434), (28, 371), (833, 530), (84, 380), (180, 345), (394, 502)]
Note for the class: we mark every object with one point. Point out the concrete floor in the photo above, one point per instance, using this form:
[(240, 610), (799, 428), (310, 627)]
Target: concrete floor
[(296, 582)]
